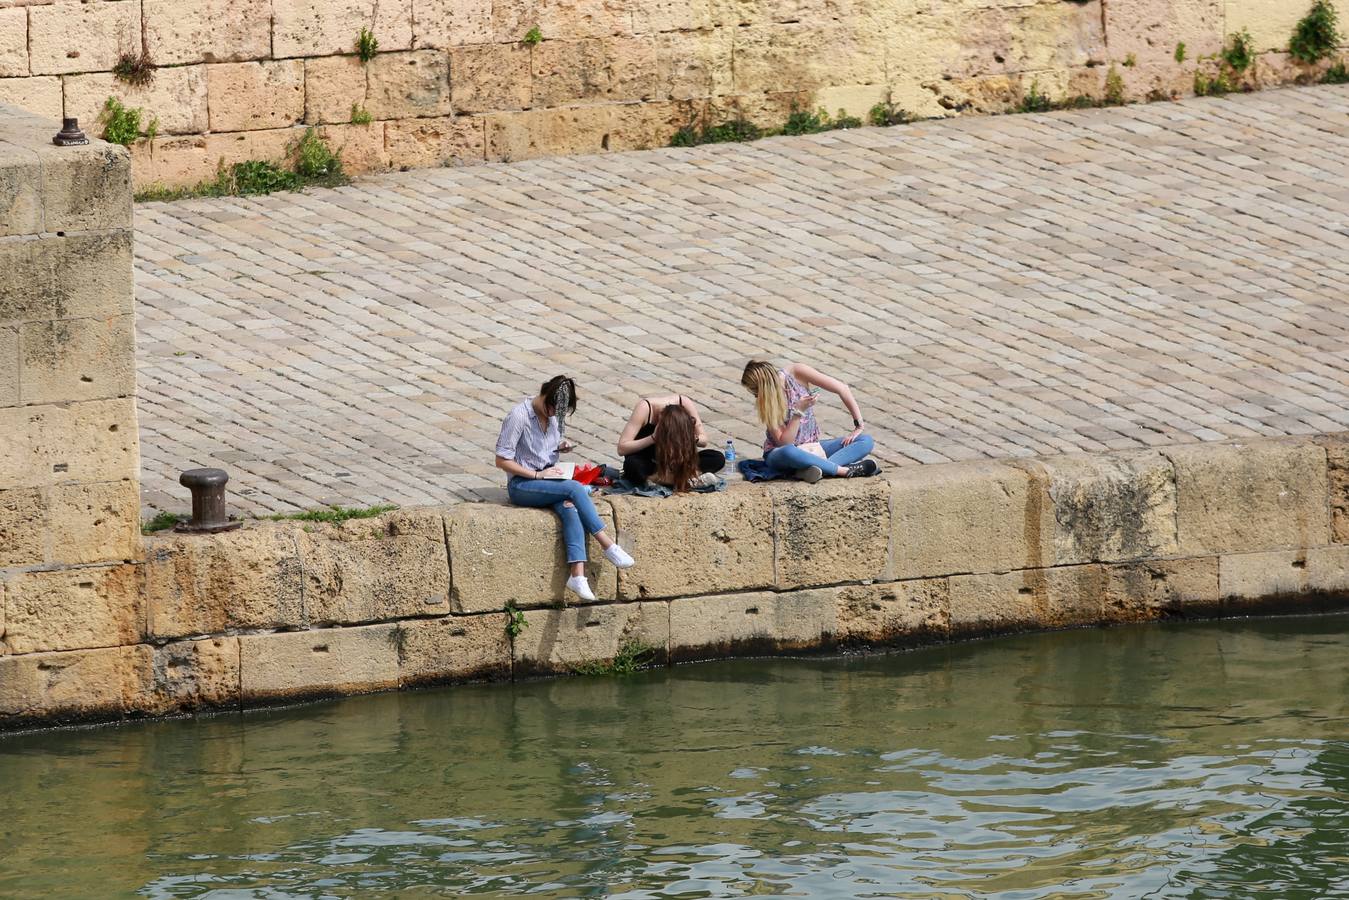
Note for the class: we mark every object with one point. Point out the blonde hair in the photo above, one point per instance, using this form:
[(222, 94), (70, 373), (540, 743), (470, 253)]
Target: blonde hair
[(763, 379)]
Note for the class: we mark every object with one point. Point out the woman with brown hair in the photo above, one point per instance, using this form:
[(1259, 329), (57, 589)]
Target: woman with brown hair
[(661, 443), (785, 399)]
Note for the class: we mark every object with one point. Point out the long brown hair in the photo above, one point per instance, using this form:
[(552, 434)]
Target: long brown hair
[(676, 443), (770, 395)]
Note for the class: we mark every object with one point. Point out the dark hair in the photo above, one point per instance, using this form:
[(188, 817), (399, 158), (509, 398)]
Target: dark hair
[(676, 443), (559, 394)]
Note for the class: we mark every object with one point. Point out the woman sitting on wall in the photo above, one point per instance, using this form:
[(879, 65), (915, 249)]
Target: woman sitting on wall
[(661, 443), (527, 450), (786, 401)]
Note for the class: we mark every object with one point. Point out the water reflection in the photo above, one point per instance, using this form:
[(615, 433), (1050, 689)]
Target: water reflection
[(1176, 761)]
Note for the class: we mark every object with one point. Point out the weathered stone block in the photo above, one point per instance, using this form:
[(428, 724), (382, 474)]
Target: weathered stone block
[(40, 96), (446, 141), (893, 612), (494, 77), (325, 27), (695, 544), (608, 69), (77, 359), (9, 366), (855, 100), (835, 531), (86, 188), (458, 648), (560, 640), (732, 624), (333, 85), (194, 675), (322, 662), (81, 37), (79, 442), (1337, 465), (1270, 22), (360, 147), (1110, 508), (1147, 589), (1262, 495), (250, 96), (670, 16), (72, 277), (1031, 598), (970, 517), (511, 554), (23, 527), (369, 570), (1252, 577), (241, 579), (191, 160), (92, 523), (693, 65), (443, 24), (408, 85), (213, 31), (512, 19), (73, 609), (514, 136), (785, 57), (20, 188), (13, 42), (74, 684), (1150, 29), (175, 99), (999, 39)]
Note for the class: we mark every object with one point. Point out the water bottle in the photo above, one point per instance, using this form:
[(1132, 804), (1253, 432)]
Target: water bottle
[(730, 452)]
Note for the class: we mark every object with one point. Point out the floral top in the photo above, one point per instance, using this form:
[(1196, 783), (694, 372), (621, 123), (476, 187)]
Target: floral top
[(809, 430)]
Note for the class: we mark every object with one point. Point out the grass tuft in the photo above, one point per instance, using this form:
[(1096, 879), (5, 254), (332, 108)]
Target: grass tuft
[(333, 515), (632, 657), (134, 69), (367, 45), (533, 36), (162, 522)]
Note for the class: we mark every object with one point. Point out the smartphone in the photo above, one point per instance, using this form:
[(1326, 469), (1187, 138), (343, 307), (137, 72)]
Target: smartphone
[(815, 391)]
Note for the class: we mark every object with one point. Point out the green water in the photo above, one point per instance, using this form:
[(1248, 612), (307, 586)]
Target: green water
[(1159, 761)]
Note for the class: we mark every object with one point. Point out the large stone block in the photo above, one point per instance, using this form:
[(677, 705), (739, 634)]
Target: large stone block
[(1254, 577), (970, 517), (360, 147), (23, 527), (175, 100), (694, 65), (662, 16), (408, 85), (803, 57), (13, 42), (86, 188), (20, 188), (73, 609), (510, 554), (243, 579), (515, 136), (1152, 588), (40, 96), (1262, 495), (333, 85), (1031, 598), (494, 77), (9, 366), (1111, 508), (323, 662), (695, 543), (72, 277), (1151, 29), (1001, 39), (213, 31), (1337, 470), (457, 648), (194, 675), (93, 523), (1270, 22), (369, 570), (512, 19), (893, 612), (77, 359), (81, 37), (191, 160), (835, 531), (595, 70), (326, 27), (73, 685), (735, 624), (416, 143), (442, 24), (250, 96), (562, 640)]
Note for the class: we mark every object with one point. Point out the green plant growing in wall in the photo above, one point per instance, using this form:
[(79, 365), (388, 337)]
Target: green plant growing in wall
[(1034, 100), (1315, 37), (367, 45), (152, 130), (1130, 61), (803, 121), (1336, 74), (1114, 88), (883, 114), (257, 176), (314, 160), (1216, 86), (533, 36), (632, 657), (161, 522), (516, 622), (732, 131), (1180, 52), (360, 115), (134, 69), (843, 120), (1239, 53), (121, 123)]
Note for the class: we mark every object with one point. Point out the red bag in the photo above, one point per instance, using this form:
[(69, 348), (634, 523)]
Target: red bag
[(586, 473)]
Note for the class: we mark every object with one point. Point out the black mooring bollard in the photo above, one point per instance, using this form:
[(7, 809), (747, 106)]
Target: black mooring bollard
[(208, 502), (70, 134)]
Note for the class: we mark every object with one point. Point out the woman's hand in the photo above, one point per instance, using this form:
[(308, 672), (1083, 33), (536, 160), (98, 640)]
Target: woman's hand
[(551, 472), (853, 435), (804, 403), (565, 447)]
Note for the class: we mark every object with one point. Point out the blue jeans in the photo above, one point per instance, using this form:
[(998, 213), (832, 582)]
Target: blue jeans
[(792, 459), (577, 519)]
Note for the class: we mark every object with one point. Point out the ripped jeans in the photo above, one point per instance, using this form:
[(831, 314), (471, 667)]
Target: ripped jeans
[(577, 519)]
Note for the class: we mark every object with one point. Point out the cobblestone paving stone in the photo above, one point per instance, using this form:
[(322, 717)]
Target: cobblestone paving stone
[(991, 287)]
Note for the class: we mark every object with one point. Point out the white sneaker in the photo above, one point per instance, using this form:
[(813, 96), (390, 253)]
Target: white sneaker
[(618, 556), (707, 480), (578, 585)]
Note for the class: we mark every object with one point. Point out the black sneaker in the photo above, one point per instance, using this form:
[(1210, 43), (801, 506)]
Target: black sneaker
[(864, 469)]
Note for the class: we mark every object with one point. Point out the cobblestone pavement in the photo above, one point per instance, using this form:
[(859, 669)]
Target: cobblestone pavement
[(991, 287)]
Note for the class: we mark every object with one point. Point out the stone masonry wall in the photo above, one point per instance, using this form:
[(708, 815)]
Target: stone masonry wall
[(458, 81), (285, 610), (70, 542)]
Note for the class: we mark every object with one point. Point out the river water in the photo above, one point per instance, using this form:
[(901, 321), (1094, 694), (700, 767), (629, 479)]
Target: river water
[(1184, 760)]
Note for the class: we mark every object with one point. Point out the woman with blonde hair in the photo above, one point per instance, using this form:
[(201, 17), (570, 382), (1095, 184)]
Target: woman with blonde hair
[(661, 442), (792, 445)]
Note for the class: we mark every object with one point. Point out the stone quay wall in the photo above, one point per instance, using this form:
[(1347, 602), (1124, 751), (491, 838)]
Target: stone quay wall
[(280, 611), (466, 81)]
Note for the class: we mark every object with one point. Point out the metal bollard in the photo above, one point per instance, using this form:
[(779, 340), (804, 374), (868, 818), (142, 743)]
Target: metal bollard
[(70, 134), (208, 502)]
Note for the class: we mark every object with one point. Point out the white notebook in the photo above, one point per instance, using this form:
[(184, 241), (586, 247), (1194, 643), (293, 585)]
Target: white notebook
[(565, 471)]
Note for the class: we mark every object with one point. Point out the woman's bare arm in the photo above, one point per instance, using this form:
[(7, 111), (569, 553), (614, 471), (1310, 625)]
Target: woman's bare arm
[(628, 442), (812, 377), (512, 467)]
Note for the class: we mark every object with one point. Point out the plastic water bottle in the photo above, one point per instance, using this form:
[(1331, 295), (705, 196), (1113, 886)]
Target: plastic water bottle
[(730, 452)]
